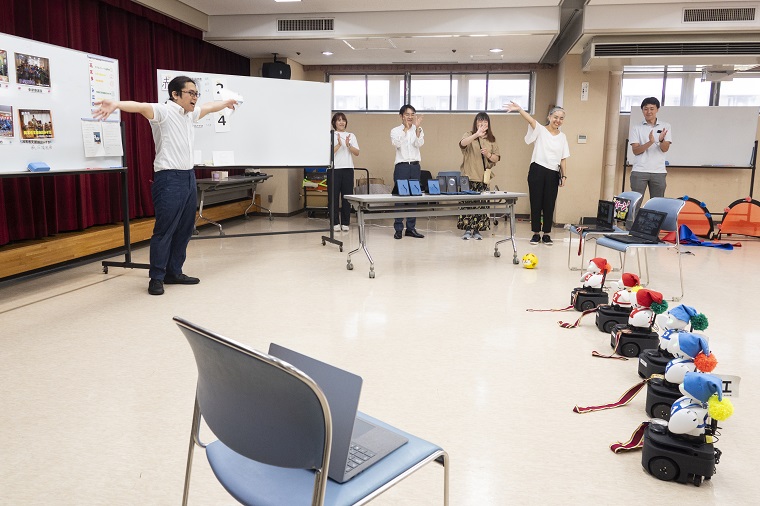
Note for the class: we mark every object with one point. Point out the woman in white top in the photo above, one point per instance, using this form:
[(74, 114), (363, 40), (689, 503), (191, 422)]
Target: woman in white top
[(548, 170), (346, 147)]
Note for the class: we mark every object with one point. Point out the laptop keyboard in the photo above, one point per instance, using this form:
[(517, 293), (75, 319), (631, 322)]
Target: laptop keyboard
[(357, 456)]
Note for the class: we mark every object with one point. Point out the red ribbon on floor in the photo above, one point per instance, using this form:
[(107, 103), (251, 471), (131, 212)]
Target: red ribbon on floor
[(550, 310), (614, 354), (634, 443), (627, 397), (566, 325)]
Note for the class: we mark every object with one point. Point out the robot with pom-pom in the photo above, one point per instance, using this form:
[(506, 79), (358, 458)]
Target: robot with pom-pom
[(617, 313), (677, 319), (691, 353), (637, 335), (592, 293), (682, 449)]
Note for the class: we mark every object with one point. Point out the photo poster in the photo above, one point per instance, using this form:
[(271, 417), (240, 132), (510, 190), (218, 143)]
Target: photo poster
[(46, 92), (6, 124), (3, 66), (277, 122)]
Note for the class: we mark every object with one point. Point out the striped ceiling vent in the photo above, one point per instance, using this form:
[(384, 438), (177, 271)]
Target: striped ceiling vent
[(718, 15), (306, 25), (678, 48)]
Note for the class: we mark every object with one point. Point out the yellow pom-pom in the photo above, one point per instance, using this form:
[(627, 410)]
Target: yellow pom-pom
[(719, 410)]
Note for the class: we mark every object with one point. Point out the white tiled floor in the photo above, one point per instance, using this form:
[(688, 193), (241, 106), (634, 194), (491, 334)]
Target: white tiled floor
[(97, 383)]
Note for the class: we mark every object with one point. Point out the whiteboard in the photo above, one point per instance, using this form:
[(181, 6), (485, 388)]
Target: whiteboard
[(281, 123), (707, 136), (59, 95)]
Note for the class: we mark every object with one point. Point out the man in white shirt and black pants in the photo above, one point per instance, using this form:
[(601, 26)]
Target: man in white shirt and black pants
[(407, 139)]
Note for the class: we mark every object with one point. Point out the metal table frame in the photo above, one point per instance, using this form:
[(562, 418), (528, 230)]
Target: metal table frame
[(384, 206), (232, 183)]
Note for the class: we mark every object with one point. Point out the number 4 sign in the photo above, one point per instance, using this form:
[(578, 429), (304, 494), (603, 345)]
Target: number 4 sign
[(221, 123)]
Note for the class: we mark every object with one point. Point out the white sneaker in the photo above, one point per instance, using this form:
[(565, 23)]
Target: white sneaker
[(344, 228), (476, 235), (467, 235), (336, 228)]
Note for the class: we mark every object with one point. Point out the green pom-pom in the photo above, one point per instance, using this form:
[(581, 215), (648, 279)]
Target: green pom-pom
[(659, 307), (719, 410), (698, 322)]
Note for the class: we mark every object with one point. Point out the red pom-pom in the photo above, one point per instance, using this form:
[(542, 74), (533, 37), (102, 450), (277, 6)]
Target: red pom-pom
[(705, 363)]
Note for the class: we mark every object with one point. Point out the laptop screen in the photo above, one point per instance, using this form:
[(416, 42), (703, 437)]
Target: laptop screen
[(648, 223), (604, 213)]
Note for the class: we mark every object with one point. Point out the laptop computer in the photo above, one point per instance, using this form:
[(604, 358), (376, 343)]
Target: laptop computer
[(605, 215), (356, 444), (645, 228)]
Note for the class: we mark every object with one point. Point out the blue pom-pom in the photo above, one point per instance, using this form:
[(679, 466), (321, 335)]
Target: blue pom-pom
[(702, 205), (708, 215), (685, 197)]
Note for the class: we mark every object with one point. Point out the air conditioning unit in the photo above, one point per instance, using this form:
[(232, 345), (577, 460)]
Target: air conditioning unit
[(614, 53)]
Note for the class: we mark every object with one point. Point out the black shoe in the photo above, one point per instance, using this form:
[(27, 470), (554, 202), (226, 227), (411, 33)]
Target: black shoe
[(181, 279), (547, 240), (156, 287), (413, 233), (397, 235), (535, 239)]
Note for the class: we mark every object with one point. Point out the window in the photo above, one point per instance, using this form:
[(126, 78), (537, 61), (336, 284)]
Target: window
[(679, 85), (431, 92), (367, 92), (742, 90)]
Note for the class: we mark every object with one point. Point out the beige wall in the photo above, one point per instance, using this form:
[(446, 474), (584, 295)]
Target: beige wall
[(560, 86)]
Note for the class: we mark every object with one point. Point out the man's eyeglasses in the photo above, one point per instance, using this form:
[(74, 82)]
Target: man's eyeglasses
[(192, 93)]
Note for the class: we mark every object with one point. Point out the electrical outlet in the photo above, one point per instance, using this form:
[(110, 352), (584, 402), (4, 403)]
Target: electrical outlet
[(269, 199)]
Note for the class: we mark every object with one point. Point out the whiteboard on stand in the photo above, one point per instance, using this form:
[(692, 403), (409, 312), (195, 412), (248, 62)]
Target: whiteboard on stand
[(47, 92), (706, 136), (280, 123)]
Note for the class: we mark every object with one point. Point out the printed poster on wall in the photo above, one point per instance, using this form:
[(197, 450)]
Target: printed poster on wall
[(6, 124), (104, 84)]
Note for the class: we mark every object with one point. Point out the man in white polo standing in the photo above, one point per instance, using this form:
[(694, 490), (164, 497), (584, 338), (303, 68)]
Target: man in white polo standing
[(650, 140)]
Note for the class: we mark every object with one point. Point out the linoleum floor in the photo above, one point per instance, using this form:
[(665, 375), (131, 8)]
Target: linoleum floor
[(97, 383)]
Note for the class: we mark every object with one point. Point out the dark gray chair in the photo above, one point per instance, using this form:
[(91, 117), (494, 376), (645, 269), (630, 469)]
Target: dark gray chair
[(274, 431)]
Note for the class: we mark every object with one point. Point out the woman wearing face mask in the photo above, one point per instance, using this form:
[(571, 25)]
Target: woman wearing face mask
[(345, 148), (479, 154), (548, 170)]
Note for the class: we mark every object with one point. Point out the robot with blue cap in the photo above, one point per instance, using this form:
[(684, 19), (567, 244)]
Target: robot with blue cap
[(677, 319), (691, 352), (682, 449)]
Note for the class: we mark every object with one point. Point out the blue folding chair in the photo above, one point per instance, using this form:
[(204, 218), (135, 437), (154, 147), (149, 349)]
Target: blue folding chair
[(274, 431), (584, 236), (671, 207)]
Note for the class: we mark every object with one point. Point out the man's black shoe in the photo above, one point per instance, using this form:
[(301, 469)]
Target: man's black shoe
[(397, 235), (411, 232), (181, 279), (156, 287)]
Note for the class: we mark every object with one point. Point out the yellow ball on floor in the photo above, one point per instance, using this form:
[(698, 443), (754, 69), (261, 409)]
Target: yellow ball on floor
[(529, 261)]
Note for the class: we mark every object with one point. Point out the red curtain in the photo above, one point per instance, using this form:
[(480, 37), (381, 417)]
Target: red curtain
[(143, 41)]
